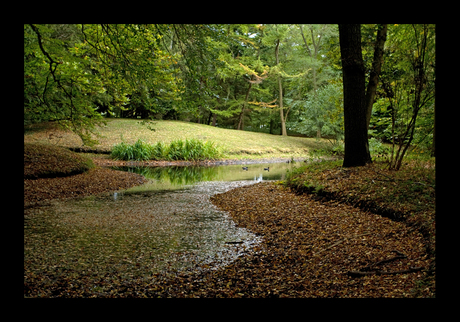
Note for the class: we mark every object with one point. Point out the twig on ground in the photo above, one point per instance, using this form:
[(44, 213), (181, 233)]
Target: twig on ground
[(341, 241), (360, 274), (368, 269)]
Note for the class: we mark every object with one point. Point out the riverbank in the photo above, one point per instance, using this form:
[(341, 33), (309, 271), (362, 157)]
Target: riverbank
[(52, 172)]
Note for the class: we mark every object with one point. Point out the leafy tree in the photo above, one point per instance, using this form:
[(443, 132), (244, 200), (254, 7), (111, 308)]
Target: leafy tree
[(72, 71), (323, 112), (408, 81), (315, 39)]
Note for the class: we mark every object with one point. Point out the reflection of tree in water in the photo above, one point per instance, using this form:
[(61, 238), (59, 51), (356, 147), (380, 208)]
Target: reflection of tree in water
[(177, 175)]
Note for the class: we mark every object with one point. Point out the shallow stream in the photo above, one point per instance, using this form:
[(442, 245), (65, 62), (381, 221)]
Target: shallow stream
[(166, 225)]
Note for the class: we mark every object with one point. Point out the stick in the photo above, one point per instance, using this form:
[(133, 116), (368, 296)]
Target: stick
[(360, 274), (341, 241), (400, 255)]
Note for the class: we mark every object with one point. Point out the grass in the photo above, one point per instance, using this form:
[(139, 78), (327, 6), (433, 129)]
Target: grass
[(188, 150), (234, 144)]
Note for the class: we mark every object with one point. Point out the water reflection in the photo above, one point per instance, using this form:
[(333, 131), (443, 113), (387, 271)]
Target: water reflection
[(173, 177)]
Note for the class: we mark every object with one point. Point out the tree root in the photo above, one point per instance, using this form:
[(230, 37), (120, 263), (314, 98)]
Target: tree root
[(368, 270), (360, 274)]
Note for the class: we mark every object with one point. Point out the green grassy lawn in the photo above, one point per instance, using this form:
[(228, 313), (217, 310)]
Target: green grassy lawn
[(235, 144)]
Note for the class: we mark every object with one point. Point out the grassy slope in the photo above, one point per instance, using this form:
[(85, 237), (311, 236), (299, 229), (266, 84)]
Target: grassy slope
[(235, 144)]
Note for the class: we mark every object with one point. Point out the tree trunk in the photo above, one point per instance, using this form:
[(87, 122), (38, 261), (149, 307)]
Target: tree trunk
[(376, 68), (356, 142), (283, 121), (280, 87), (240, 122)]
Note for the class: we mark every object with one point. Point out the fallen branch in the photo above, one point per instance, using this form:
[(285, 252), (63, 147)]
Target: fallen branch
[(341, 241), (400, 256), (378, 272)]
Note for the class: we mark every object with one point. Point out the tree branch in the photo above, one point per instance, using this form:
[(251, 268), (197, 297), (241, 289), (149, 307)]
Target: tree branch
[(376, 68), (304, 40)]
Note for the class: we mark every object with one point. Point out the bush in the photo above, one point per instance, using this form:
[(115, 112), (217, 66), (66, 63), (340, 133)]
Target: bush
[(177, 150)]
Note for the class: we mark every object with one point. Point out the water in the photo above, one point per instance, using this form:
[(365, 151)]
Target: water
[(176, 177), (164, 226)]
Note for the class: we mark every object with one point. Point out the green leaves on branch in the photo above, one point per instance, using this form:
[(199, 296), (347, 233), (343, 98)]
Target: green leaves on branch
[(72, 73)]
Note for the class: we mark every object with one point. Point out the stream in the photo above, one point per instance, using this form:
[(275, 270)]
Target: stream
[(163, 226)]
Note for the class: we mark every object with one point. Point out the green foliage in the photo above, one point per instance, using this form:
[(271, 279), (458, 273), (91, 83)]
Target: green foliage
[(405, 108), (75, 73), (322, 113), (376, 147), (138, 151), (188, 150)]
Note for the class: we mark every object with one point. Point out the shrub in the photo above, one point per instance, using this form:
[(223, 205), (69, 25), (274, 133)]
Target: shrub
[(377, 147)]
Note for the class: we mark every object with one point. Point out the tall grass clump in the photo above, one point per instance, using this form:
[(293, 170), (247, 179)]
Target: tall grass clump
[(188, 150), (138, 151)]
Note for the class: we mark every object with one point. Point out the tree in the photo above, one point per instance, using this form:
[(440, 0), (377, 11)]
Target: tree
[(375, 71), (281, 37), (322, 113), (315, 38), (408, 81), (241, 61), (354, 104), (73, 72), (358, 101)]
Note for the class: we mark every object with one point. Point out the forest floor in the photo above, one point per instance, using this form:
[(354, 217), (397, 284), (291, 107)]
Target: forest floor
[(56, 173)]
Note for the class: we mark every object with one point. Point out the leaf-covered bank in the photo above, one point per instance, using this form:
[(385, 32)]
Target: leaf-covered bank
[(407, 195), (47, 161), (54, 172)]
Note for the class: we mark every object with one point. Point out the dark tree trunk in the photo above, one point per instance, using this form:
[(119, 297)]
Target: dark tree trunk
[(354, 104)]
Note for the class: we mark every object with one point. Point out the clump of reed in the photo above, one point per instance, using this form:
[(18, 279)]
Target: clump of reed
[(188, 150)]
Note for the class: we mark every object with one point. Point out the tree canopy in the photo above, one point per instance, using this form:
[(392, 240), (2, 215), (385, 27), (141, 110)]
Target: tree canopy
[(279, 79)]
